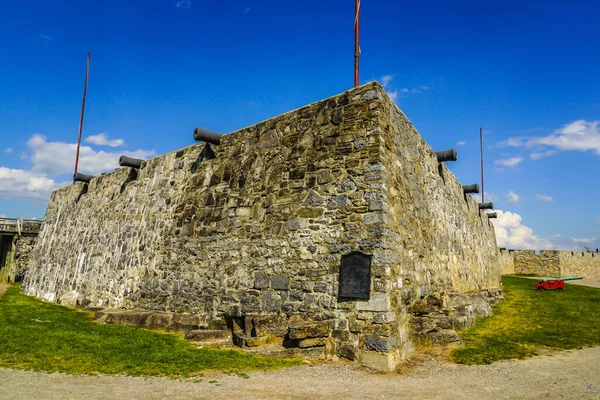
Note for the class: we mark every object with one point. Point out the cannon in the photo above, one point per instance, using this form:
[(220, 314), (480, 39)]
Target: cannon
[(557, 284), (446, 155), (474, 188), (204, 135), (77, 177), (486, 206), (125, 161), (492, 215)]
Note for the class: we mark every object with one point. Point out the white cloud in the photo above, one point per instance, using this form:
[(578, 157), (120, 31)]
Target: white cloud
[(8, 150), (393, 95), (56, 158), (462, 143), (386, 80), (185, 4), (584, 240), (578, 135), (102, 140), (512, 234), (542, 154), (509, 162), (45, 37), (512, 197), (27, 184), (247, 10), (544, 197)]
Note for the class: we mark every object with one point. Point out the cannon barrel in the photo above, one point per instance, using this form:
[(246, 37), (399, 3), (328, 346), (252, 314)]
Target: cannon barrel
[(77, 177), (474, 188), (492, 215), (486, 206), (446, 155), (572, 278), (125, 161), (568, 278), (204, 135)]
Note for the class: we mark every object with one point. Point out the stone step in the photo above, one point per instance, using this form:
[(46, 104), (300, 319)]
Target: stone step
[(150, 319), (277, 350), (209, 335)]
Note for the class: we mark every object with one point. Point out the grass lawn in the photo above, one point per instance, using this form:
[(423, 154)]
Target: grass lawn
[(529, 321), (46, 337)]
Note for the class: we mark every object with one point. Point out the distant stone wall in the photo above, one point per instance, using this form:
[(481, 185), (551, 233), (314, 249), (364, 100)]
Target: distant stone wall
[(256, 233), (23, 248), (578, 263), (507, 262), (555, 263), (546, 263)]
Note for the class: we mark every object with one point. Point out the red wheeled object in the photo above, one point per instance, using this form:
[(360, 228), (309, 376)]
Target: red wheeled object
[(550, 284)]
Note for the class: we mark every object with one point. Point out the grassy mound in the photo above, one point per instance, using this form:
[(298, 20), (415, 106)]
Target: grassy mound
[(529, 321), (46, 337)]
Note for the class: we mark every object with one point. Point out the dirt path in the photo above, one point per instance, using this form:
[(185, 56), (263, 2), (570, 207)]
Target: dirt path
[(3, 287), (569, 374)]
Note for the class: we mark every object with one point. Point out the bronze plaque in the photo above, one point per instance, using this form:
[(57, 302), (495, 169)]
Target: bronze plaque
[(355, 276)]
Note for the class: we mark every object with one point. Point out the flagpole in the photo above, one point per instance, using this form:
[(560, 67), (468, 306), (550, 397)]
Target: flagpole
[(481, 151), (356, 42), (87, 70)]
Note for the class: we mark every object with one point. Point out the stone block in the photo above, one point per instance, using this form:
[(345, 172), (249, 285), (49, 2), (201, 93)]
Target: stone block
[(312, 329), (266, 325), (270, 301), (280, 282), (347, 350), (313, 342), (444, 337), (380, 344), (208, 335), (378, 302), (261, 280), (384, 362)]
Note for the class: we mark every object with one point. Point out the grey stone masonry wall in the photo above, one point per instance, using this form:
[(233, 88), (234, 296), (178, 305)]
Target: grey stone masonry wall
[(507, 262), (557, 263), (17, 237), (254, 236)]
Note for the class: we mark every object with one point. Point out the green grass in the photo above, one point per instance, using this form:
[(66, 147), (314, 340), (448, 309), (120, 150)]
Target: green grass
[(528, 322), (41, 336)]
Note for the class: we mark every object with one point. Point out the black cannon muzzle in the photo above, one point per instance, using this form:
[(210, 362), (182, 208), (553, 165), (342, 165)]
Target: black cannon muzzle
[(474, 188), (447, 155), (492, 215), (204, 135), (77, 177), (125, 161), (486, 206)]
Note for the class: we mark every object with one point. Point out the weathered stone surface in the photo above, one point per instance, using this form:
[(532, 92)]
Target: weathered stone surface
[(444, 336), (310, 329), (209, 335), (285, 198), (381, 344), (314, 342)]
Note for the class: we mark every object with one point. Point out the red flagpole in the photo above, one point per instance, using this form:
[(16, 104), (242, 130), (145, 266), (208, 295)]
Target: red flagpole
[(87, 70), (356, 42), (481, 150)]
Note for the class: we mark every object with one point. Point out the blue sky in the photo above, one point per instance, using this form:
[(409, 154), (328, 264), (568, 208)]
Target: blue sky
[(525, 71)]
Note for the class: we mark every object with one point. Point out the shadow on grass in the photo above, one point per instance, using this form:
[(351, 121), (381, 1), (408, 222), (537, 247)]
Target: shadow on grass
[(528, 321), (46, 337)]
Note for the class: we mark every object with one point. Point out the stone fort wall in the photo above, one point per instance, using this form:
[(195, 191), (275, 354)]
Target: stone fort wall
[(259, 230), (551, 263)]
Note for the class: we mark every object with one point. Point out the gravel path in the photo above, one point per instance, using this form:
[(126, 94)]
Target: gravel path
[(570, 374)]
